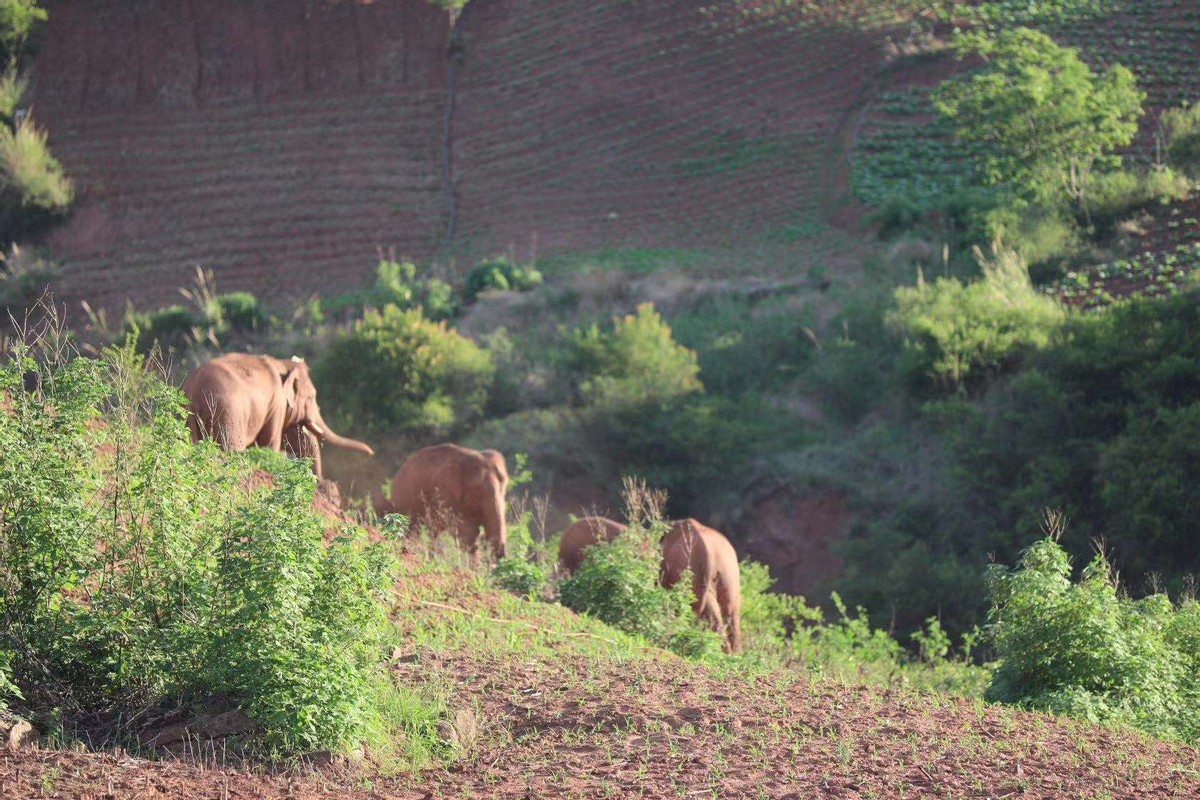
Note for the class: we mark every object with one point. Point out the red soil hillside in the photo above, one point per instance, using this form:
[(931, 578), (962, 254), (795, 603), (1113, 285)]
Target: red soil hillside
[(614, 123), (279, 142)]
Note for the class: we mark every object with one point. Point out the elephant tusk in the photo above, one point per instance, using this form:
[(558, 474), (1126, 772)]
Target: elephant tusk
[(317, 430)]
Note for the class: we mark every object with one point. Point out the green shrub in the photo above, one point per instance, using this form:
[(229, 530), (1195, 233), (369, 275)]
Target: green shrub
[(136, 568), (618, 584), (396, 283), (499, 273), (12, 88), (636, 361), (1117, 194), (240, 311), (396, 370), (18, 19), (30, 176), (24, 277), (1180, 129), (1084, 650), (954, 329), (520, 576), (172, 326)]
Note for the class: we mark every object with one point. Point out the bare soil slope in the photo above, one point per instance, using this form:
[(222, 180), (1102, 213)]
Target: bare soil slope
[(280, 142), (276, 142)]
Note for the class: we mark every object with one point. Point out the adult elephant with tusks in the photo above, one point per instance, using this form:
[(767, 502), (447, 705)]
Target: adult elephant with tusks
[(241, 400), (453, 488)]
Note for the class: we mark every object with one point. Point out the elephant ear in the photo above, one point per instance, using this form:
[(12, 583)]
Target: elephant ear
[(290, 380)]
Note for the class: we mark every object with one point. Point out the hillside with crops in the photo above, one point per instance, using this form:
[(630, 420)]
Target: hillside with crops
[(755, 398)]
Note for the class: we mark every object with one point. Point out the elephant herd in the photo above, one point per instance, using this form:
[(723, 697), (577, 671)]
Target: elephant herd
[(242, 400)]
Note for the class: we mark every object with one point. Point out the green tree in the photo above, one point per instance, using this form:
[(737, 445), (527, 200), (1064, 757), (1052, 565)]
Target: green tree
[(1043, 119)]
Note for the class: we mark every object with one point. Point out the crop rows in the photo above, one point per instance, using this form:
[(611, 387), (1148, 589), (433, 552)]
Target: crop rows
[(678, 127), (237, 140)]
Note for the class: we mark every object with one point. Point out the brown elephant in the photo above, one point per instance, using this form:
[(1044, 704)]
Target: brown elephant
[(583, 533), (716, 578), (242, 400), (453, 486)]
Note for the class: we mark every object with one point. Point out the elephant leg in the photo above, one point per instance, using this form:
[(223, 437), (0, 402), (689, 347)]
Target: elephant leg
[(467, 533)]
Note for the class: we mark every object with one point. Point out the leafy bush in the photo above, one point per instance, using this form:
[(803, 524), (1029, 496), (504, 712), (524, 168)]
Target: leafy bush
[(12, 89), (1084, 650), (636, 361), (499, 273), (18, 18), (520, 576), (23, 279), (136, 567), (1181, 137), (953, 329), (241, 311), (1116, 194), (397, 370), (396, 283), (31, 177), (172, 326)]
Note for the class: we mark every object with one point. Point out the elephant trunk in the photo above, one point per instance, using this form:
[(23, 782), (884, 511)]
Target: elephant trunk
[(322, 431), (494, 525)]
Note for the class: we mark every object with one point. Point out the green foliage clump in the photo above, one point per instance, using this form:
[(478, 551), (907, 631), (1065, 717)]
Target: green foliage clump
[(396, 370), (241, 311), (1180, 131), (636, 361), (955, 329), (31, 179), (18, 18), (396, 283), (137, 567), (523, 571), (785, 629), (1042, 119), (1084, 650), (499, 273), (212, 320), (1114, 195)]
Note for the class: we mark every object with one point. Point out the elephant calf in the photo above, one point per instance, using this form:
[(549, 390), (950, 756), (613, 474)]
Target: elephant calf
[(583, 533), (716, 578), (454, 486)]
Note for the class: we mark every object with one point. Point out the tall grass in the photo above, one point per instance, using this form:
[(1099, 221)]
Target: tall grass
[(31, 173)]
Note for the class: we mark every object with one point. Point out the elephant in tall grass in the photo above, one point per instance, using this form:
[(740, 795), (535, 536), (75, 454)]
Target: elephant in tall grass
[(716, 578), (449, 488), (241, 400)]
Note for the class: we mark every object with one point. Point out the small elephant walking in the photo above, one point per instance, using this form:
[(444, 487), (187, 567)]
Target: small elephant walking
[(456, 487), (241, 400), (716, 578), (583, 533)]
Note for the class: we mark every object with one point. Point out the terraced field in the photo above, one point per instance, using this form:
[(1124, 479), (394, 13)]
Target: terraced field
[(275, 145), (280, 143), (633, 124)]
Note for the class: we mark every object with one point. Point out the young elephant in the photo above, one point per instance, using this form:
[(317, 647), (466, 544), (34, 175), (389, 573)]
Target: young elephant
[(455, 486), (583, 533), (242, 400), (716, 578)]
